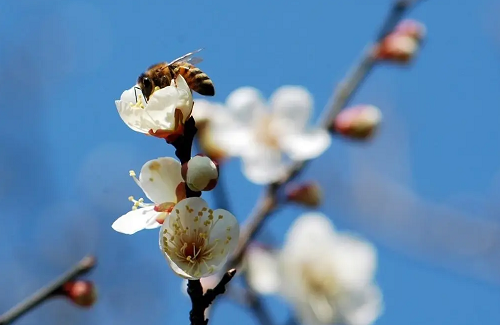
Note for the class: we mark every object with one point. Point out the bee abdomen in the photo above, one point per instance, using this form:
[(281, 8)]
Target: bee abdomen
[(196, 79)]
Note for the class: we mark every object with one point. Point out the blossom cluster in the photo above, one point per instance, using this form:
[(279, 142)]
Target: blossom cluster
[(328, 276), (195, 239)]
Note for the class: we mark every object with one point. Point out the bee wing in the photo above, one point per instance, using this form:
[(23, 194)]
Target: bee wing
[(189, 58)]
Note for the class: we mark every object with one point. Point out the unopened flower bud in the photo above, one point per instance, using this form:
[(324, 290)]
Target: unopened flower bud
[(358, 122), (200, 173), (82, 293), (402, 43), (308, 194), (412, 28)]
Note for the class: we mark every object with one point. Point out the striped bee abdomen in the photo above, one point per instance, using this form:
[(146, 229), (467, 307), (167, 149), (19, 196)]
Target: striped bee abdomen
[(196, 79)]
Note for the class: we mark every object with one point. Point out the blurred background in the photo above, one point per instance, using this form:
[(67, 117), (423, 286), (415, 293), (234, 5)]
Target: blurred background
[(425, 190)]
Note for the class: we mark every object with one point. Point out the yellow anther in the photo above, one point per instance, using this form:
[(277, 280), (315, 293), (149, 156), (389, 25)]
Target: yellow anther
[(210, 217), (200, 213), (196, 219), (131, 198), (228, 229), (204, 209), (220, 216), (210, 211), (132, 173)]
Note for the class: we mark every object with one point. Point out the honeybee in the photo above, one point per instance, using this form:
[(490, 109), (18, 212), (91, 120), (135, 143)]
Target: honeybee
[(161, 74)]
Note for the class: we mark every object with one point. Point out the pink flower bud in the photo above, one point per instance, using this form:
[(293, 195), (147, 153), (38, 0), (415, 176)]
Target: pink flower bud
[(82, 293), (402, 43), (308, 194), (200, 173), (412, 28), (358, 122), (397, 48)]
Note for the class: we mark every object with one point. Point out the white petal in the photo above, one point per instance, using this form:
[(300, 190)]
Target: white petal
[(308, 231), (263, 165), (362, 307), (185, 97), (323, 310), (136, 220), (291, 108), (159, 179), (227, 229), (306, 145), (244, 103), (226, 131), (354, 261), (262, 270), (152, 224), (187, 219), (161, 108), (224, 128), (233, 139)]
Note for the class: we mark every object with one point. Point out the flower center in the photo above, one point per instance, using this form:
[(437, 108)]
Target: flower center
[(265, 133), (193, 247), (319, 282)]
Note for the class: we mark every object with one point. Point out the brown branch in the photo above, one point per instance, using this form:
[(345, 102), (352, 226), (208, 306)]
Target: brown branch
[(52, 289), (200, 301), (341, 97)]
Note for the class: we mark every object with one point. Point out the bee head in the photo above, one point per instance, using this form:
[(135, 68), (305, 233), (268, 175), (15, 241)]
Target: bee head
[(146, 85)]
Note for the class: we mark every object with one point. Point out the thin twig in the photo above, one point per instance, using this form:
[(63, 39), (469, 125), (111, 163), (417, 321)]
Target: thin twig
[(52, 289), (247, 298), (257, 306), (341, 97)]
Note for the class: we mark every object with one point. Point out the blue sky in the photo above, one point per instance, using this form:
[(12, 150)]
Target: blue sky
[(66, 153)]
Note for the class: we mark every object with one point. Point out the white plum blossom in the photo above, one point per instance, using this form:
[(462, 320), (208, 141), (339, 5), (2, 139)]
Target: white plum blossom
[(200, 173), (264, 134), (197, 240), (327, 276), (161, 181), (163, 115)]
